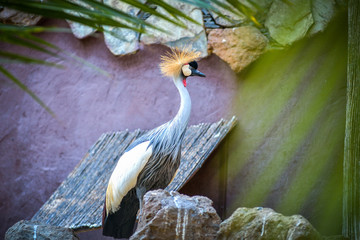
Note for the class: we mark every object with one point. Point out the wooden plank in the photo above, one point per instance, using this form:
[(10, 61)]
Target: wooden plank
[(351, 196), (78, 202)]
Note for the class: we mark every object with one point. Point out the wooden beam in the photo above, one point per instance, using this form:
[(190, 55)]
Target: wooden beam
[(351, 196), (78, 202)]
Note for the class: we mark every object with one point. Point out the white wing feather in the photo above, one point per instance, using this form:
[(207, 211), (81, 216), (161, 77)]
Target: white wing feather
[(125, 174)]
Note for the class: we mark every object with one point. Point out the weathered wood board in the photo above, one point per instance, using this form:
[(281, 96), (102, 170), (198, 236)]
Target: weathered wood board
[(78, 202)]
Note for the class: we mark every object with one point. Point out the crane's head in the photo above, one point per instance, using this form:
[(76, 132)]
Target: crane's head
[(180, 64)]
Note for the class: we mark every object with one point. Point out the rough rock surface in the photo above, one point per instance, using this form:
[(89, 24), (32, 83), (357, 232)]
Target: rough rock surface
[(79, 30), (176, 216), (264, 223), (323, 12), (289, 21), (193, 35), (237, 46), (121, 41), (258, 8), (198, 42), (235, 18), (11, 16), (30, 230)]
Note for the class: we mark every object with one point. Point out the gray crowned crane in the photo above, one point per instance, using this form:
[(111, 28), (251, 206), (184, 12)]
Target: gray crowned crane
[(152, 160)]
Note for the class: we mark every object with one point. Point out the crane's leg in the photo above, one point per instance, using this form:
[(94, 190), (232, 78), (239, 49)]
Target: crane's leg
[(140, 192), (141, 206)]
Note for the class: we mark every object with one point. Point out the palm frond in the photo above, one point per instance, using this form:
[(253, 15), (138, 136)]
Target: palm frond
[(24, 36), (173, 11), (99, 15), (66, 10), (235, 7), (18, 40), (7, 57), (26, 89)]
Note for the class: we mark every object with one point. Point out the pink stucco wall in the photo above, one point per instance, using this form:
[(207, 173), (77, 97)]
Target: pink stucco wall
[(38, 151)]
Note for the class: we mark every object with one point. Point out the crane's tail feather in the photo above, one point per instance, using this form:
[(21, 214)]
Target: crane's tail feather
[(121, 223)]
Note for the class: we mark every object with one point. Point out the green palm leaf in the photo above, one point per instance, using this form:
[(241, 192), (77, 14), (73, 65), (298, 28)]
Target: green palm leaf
[(53, 9), (26, 89), (26, 43), (13, 57), (23, 36)]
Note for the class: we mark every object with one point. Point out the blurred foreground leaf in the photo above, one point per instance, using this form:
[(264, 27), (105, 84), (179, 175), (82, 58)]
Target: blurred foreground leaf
[(287, 150), (26, 89), (351, 205)]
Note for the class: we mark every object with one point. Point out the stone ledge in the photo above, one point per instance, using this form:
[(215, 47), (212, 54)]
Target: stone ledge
[(25, 229)]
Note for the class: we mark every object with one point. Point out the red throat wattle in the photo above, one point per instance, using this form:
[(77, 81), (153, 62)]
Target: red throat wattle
[(184, 82)]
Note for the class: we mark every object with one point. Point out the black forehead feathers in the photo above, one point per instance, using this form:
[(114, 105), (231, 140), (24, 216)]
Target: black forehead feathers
[(193, 64)]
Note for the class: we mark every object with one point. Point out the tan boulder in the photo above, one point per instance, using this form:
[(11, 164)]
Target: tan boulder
[(237, 46), (264, 223)]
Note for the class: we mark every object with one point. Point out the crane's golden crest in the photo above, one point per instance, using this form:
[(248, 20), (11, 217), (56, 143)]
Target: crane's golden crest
[(172, 62)]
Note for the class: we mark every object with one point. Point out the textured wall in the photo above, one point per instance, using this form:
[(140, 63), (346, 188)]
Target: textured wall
[(38, 151)]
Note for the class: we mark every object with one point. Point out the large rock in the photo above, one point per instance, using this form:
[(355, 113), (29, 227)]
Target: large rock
[(121, 41), (11, 16), (257, 8), (198, 42), (322, 11), (193, 35), (30, 230), (79, 30), (176, 216), (289, 21), (235, 19), (237, 46), (264, 223)]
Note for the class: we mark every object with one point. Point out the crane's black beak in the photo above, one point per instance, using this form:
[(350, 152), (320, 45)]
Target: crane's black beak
[(195, 72)]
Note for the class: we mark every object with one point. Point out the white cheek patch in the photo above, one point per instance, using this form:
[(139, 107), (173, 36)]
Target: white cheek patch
[(186, 70)]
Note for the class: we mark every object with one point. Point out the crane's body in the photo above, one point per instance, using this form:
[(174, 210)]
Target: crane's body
[(151, 161)]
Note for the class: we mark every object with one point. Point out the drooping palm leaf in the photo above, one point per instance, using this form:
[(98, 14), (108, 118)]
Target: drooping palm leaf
[(235, 7), (145, 8), (98, 16), (26, 89), (65, 9), (23, 36), (173, 11), (24, 41), (214, 7), (6, 57)]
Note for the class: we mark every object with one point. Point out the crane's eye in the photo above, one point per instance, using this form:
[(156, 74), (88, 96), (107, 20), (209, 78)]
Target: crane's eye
[(193, 64), (186, 70)]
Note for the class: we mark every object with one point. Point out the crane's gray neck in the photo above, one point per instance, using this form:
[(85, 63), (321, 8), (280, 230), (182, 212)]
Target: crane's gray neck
[(167, 138), (182, 117)]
